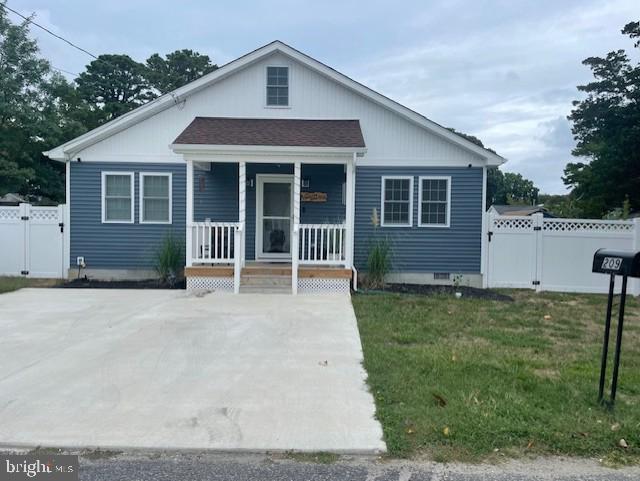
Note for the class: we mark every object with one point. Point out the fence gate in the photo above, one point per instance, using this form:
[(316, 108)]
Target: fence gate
[(32, 240), (553, 254)]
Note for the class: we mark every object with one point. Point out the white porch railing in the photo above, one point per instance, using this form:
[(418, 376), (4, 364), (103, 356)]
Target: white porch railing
[(218, 243), (322, 244), (213, 242)]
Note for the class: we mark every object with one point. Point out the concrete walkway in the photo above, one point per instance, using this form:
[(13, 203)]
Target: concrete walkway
[(164, 370)]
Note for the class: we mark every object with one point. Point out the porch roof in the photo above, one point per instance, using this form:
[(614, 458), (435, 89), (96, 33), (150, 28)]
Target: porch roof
[(272, 132)]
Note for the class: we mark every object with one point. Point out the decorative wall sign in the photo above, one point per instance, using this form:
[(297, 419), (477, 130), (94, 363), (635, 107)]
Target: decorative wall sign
[(313, 196)]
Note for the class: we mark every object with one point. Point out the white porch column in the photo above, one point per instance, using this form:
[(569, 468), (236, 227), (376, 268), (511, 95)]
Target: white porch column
[(189, 219), (350, 211), (242, 207), (295, 249)]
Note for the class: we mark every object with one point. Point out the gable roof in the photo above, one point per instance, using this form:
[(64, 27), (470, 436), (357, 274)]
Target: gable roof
[(68, 149), (272, 132)]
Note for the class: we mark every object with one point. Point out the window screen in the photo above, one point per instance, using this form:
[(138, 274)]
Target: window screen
[(117, 197), (397, 202), (435, 202), (156, 198), (278, 86)]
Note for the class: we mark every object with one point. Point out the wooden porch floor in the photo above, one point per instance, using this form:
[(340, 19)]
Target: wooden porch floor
[(270, 269)]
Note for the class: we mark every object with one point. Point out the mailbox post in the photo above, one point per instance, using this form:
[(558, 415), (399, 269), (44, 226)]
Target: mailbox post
[(625, 264)]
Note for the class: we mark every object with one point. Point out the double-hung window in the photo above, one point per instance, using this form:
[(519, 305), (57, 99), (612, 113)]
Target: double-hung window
[(277, 86), (397, 201), (117, 197), (155, 198), (434, 209)]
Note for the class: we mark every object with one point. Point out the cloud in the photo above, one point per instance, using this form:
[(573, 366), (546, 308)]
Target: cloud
[(501, 70)]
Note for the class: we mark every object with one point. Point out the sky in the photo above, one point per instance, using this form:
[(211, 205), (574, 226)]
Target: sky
[(504, 71)]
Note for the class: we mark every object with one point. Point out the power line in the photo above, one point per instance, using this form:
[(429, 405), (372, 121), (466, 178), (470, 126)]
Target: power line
[(4, 5), (65, 71)]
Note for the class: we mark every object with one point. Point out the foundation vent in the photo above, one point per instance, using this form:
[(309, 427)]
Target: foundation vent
[(441, 276)]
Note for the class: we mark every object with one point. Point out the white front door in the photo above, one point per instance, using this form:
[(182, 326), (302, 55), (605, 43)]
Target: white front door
[(274, 216)]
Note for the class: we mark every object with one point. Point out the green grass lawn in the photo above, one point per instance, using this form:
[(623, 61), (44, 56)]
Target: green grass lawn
[(8, 284), (470, 380)]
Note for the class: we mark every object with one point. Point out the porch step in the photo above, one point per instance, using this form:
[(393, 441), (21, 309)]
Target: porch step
[(267, 271), (263, 280), (265, 289)]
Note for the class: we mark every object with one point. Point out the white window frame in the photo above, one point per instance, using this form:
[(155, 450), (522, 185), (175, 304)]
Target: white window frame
[(448, 218), (103, 198), (266, 88), (382, 199), (141, 195)]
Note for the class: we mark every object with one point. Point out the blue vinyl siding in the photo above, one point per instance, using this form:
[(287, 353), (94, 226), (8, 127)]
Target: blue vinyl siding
[(215, 193), (119, 246), (455, 249)]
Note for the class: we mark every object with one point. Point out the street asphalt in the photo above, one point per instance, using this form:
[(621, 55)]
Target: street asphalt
[(250, 467)]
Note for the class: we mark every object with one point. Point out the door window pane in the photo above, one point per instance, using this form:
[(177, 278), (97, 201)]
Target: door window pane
[(277, 199), (275, 235)]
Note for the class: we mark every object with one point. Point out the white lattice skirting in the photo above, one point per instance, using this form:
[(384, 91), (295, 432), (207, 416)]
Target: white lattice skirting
[(198, 283), (313, 285)]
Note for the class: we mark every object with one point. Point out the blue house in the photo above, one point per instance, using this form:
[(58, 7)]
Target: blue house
[(276, 165)]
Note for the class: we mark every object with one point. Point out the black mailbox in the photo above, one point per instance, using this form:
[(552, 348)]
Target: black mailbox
[(614, 263), (621, 263)]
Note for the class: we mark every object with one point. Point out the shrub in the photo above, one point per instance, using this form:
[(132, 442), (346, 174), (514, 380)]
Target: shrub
[(169, 259), (378, 262)]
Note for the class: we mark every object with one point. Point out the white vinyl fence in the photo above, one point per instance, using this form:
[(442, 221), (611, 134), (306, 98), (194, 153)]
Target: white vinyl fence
[(554, 254), (32, 241)]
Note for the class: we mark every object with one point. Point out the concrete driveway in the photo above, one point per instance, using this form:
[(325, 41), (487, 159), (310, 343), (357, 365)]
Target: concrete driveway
[(166, 370)]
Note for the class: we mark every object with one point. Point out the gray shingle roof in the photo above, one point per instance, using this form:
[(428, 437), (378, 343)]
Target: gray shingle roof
[(272, 132)]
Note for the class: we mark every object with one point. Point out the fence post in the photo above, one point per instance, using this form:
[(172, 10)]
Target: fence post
[(538, 233), (25, 212), (487, 222), (635, 283)]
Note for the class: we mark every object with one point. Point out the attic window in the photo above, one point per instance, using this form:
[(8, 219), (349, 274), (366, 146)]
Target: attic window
[(277, 86)]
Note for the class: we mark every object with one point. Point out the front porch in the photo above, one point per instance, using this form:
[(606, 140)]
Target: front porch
[(270, 191), (279, 219)]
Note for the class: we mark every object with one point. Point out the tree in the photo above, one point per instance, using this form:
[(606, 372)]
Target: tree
[(24, 118), (177, 69), (113, 85), (606, 127), (509, 188)]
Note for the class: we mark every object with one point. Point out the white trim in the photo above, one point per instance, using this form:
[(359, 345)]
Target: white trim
[(260, 179), (266, 87), (169, 158), (68, 149), (142, 175), (189, 215), (102, 197), (295, 237), (269, 159), (350, 196), (434, 177), (384, 178), (242, 209), (368, 161)]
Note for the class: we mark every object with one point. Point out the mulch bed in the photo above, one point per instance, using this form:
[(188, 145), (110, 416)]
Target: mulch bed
[(433, 290), (84, 283)]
